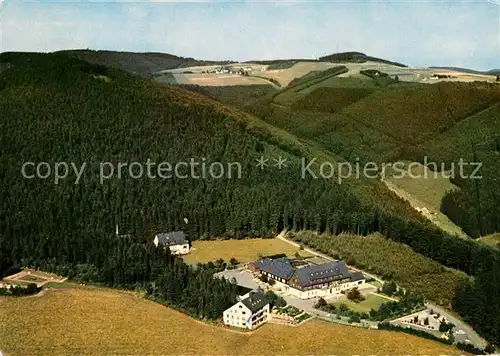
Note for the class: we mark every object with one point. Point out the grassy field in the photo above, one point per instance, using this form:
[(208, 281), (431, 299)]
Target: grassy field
[(492, 240), (93, 321), (294, 90), (424, 189), (427, 186), (299, 69), (243, 250), (372, 301)]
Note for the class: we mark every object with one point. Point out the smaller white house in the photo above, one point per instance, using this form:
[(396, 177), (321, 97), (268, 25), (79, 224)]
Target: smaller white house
[(251, 310), (176, 241)]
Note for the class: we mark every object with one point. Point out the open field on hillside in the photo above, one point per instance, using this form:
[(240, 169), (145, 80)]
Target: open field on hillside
[(213, 79), (372, 301), (285, 76), (492, 240), (243, 250), (435, 216), (424, 189), (300, 69), (94, 321)]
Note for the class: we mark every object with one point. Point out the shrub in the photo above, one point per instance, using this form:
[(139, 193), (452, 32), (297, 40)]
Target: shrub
[(320, 303), (355, 295), (354, 319), (389, 288)]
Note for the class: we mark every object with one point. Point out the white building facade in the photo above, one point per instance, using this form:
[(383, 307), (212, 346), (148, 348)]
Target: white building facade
[(251, 311), (331, 290)]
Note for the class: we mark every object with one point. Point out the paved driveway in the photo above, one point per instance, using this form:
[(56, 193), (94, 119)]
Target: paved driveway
[(463, 331), (243, 278)]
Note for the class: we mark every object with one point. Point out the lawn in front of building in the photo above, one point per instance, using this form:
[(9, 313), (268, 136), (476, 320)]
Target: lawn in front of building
[(246, 250), (372, 301)]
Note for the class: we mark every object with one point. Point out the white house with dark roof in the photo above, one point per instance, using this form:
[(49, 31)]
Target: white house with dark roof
[(250, 311), (311, 281), (176, 241)]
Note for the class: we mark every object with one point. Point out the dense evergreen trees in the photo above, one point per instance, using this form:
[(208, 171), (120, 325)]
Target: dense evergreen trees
[(476, 207), (19, 291)]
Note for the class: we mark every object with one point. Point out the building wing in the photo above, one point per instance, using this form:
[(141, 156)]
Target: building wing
[(357, 276), (326, 272), (280, 267)]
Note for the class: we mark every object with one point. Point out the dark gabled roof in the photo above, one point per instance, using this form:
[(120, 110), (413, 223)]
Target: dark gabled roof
[(172, 238), (255, 301), (280, 267), (310, 275), (357, 276)]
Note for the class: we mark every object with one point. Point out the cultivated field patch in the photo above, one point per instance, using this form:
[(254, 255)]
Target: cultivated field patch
[(92, 321), (27, 276), (214, 79), (285, 76)]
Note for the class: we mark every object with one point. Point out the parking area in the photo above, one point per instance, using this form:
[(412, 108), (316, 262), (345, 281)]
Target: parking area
[(429, 319), (243, 277)]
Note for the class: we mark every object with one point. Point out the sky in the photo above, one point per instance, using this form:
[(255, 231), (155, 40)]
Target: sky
[(415, 32)]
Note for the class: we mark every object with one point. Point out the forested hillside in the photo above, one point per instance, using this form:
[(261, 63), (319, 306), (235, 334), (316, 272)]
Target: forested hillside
[(355, 57), (143, 64), (60, 109), (440, 124)]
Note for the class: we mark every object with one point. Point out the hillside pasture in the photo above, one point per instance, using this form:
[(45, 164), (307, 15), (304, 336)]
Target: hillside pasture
[(285, 76), (209, 79), (94, 321), (491, 240), (420, 181), (246, 250)]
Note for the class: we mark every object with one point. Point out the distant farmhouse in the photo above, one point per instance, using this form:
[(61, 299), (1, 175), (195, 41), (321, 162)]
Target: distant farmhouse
[(310, 281), (251, 310), (176, 241)]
